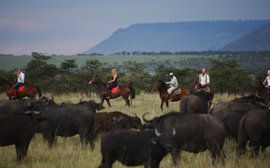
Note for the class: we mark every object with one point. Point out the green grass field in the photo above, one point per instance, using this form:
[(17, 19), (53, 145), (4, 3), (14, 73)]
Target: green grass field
[(13, 62), (70, 153)]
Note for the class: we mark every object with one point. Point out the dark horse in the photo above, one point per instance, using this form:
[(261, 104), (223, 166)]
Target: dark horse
[(209, 96), (124, 91), (29, 91), (164, 95), (262, 91)]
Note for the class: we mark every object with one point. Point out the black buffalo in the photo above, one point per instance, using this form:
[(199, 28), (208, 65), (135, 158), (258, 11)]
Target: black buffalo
[(255, 128), (107, 121), (192, 104), (11, 107), (189, 132), (18, 130), (68, 120), (230, 113), (132, 148)]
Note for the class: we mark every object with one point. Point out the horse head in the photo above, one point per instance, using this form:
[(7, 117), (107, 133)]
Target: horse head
[(160, 85), (259, 83), (197, 85), (94, 80)]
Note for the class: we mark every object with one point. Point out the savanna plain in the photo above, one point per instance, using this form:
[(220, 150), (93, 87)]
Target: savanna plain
[(69, 152)]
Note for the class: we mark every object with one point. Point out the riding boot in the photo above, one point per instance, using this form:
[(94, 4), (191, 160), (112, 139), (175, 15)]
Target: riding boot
[(171, 97), (16, 94)]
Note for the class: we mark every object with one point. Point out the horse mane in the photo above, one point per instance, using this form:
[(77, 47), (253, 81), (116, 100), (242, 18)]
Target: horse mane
[(260, 83), (162, 82)]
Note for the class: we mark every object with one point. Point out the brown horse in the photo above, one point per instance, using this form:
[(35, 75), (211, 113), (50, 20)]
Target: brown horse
[(30, 90), (262, 91), (124, 91), (164, 95), (209, 97)]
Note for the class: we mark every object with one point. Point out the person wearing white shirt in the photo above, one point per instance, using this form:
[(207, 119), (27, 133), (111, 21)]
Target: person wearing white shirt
[(173, 83), (204, 80), (20, 80), (266, 82)]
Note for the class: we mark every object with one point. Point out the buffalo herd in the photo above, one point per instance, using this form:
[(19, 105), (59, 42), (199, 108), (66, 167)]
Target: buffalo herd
[(126, 139)]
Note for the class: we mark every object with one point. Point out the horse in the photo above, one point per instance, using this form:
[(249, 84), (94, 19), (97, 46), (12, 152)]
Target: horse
[(165, 96), (29, 90), (262, 91), (125, 91), (209, 96)]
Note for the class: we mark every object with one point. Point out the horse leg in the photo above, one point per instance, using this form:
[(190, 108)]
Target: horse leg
[(101, 100), (127, 101), (209, 105), (161, 105), (108, 102), (167, 104)]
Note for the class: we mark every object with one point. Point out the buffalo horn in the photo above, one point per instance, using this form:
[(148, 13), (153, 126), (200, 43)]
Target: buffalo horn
[(173, 131), (143, 117), (157, 133), (36, 112), (27, 112)]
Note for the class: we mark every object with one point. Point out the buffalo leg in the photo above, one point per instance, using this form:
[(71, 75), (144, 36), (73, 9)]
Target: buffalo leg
[(255, 150), (175, 156), (216, 151), (241, 148), (154, 164), (21, 150), (255, 144), (50, 137), (86, 137), (91, 139), (106, 162)]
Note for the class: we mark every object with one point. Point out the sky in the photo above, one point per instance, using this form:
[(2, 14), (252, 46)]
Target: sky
[(73, 26)]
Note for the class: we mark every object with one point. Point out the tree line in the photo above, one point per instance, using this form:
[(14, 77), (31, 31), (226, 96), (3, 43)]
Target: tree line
[(226, 75)]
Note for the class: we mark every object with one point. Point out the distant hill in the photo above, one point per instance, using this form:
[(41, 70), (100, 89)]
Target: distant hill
[(173, 37), (258, 40)]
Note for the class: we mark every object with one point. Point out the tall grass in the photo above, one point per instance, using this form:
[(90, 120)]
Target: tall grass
[(70, 153)]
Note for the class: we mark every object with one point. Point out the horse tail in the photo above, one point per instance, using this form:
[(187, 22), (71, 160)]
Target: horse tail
[(39, 92), (132, 90), (28, 84), (183, 105)]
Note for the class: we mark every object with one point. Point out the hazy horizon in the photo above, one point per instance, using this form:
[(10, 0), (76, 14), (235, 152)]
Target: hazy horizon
[(71, 27)]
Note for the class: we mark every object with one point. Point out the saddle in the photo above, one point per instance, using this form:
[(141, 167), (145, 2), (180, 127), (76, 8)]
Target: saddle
[(20, 89), (115, 90), (176, 91)]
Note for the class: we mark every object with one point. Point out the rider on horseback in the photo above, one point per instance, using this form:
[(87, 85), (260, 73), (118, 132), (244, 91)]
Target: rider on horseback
[(113, 82), (173, 83), (266, 82), (20, 80), (204, 80)]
